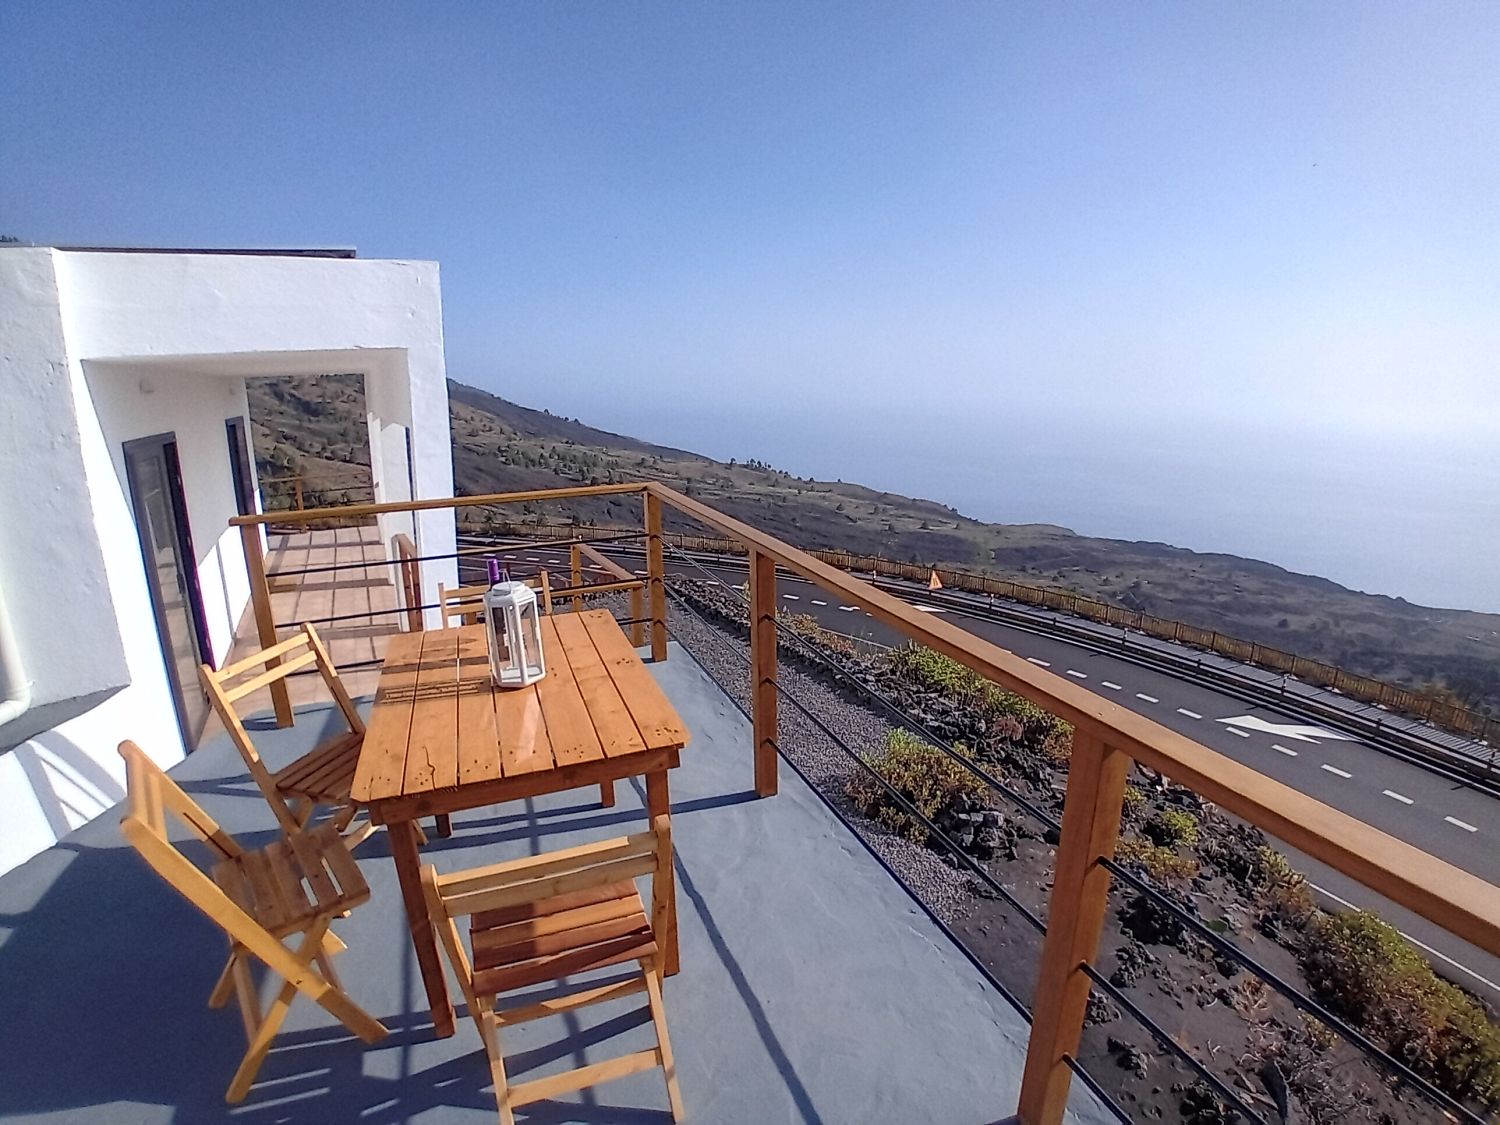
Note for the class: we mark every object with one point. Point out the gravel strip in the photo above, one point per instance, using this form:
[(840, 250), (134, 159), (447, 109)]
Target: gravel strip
[(823, 763)]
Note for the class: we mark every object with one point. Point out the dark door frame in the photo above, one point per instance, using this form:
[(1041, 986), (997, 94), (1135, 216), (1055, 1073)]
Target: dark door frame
[(177, 500), (239, 465)]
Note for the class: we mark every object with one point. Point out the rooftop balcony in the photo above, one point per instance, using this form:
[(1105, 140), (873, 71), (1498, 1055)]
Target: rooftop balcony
[(815, 987)]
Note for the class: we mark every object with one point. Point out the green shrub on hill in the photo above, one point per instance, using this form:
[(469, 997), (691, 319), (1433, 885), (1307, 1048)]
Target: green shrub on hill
[(933, 671), (933, 782), (1367, 972)]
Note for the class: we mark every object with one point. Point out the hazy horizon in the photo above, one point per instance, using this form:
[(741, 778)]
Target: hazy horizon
[(1309, 507)]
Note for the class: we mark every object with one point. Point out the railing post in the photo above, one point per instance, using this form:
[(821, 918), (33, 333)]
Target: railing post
[(297, 488), (656, 572), (1075, 919), (265, 621), (577, 576), (763, 670)]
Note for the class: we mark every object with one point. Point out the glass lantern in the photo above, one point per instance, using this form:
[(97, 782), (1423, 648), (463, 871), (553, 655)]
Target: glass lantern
[(514, 630)]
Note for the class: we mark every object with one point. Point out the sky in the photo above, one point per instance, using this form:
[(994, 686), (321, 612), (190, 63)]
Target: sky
[(1140, 216)]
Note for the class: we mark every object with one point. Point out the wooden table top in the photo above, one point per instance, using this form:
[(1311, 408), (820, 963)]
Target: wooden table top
[(439, 722)]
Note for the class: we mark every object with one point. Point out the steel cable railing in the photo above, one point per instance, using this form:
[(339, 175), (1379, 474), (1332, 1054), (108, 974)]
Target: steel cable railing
[(1384, 1059)]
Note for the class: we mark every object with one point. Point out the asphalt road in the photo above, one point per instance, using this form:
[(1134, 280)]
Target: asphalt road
[(1432, 812)]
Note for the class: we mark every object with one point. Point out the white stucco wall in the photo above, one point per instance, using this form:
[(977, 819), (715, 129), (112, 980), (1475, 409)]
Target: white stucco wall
[(99, 349)]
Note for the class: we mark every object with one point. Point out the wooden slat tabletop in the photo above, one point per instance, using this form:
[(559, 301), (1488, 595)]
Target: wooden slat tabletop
[(438, 721)]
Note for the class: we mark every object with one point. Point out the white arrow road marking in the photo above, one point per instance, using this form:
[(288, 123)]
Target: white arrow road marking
[(1300, 732), (1393, 795), (1335, 769), (1453, 820), (929, 609)]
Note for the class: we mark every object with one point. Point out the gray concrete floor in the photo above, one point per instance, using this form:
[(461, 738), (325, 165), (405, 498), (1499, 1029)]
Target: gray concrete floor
[(813, 988)]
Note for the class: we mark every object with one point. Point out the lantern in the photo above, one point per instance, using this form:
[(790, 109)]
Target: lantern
[(514, 630)]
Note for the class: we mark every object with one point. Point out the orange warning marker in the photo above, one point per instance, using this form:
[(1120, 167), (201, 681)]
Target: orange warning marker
[(934, 583)]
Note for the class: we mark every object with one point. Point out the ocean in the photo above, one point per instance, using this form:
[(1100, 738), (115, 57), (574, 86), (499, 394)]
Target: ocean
[(1411, 516)]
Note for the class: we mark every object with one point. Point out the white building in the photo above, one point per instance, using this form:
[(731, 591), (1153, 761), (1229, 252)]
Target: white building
[(123, 424)]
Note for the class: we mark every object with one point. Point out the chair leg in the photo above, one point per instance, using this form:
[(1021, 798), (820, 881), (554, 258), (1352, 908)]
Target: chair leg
[(663, 1042), (260, 1044), (224, 986), (489, 1035)]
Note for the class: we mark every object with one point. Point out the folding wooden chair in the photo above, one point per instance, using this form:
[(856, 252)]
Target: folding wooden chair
[(324, 774), (260, 899), (465, 602), (551, 916)]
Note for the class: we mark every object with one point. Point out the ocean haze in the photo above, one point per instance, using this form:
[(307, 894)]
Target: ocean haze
[(1409, 515)]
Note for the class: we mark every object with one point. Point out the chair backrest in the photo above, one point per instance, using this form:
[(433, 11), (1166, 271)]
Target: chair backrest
[(537, 878), (252, 674), (465, 602), (151, 795)]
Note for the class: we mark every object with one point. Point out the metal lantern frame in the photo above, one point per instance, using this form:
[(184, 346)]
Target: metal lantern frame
[(513, 630)]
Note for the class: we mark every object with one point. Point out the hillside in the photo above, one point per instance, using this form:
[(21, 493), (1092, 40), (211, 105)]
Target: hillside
[(317, 426)]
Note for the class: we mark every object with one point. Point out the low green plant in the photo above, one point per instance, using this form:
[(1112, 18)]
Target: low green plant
[(1162, 865), (933, 782), (1173, 827), (1135, 800), (806, 626), (1036, 727), (1367, 972), (1281, 890)]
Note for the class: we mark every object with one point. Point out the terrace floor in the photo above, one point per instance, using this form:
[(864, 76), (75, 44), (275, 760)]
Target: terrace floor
[(813, 987)]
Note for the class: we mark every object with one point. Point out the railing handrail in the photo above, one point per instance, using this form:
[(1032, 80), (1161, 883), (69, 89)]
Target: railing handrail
[(358, 511), (1455, 899)]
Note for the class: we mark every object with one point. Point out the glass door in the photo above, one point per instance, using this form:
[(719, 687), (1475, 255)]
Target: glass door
[(155, 479)]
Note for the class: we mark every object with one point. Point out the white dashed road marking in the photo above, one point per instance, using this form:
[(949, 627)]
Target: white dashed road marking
[(1453, 820), (1189, 714), (1335, 769), (1284, 750), (816, 602), (1147, 698), (1393, 795), (1112, 687), (791, 597), (848, 608), (1039, 663), (1077, 675), (1236, 730), (929, 609)]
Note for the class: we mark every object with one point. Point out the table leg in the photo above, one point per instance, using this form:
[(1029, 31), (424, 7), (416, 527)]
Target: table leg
[(607, 794), (443, 824), (403, 837), (659, 802)]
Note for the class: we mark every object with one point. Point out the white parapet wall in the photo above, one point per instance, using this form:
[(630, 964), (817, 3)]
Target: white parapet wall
[(98, 349)]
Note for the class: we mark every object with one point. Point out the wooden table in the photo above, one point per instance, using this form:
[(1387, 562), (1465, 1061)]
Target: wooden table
[(442, 738)]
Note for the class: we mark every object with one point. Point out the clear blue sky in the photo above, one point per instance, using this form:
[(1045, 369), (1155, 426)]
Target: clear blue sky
[(1180, 209)]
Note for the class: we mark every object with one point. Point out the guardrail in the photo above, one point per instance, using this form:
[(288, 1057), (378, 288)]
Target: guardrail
[(1107, 739), (1366, 689)]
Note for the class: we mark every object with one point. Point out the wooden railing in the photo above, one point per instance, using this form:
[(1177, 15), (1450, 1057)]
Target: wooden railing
[(1107, 739)]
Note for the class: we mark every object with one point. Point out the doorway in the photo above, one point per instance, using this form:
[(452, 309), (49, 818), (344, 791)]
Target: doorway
[(155, 478)]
